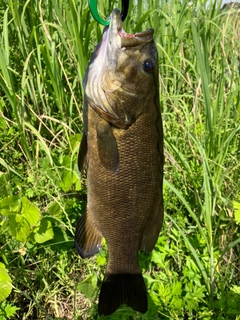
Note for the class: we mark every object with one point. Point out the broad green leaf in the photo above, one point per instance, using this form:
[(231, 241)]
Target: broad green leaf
[(236, 289), (5, 283), (148, 280), (236, 205), (78, 185), (19, 227), (22, 216), (75, 140), (60, 240), (44, 232), (9, 205), (157, 258), (66, 180), (87, 289), (101, 260), (30, 212), (55, 210), (88, 286)]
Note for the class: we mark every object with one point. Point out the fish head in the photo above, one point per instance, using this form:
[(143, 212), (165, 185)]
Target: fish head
[(123, 72)]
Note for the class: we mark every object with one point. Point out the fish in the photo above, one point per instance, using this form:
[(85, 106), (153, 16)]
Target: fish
[(122, 152)]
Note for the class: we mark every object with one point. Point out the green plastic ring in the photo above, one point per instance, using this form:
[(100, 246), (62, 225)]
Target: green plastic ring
[(93, 8)]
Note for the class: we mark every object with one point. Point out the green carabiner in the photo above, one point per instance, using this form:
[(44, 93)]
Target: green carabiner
[(93, 8)]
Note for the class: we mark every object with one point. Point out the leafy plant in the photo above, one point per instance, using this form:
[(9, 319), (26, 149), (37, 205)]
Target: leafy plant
[(5, 283), (7, 311), (236, 205), (192, 272)]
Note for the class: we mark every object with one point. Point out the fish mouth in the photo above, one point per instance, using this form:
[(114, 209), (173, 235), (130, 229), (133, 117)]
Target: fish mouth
[(118, 36)]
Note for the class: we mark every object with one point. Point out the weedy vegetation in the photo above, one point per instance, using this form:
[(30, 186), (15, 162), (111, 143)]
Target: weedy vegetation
[(194, 270)]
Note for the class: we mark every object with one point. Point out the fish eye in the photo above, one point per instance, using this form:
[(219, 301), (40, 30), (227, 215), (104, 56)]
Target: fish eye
[(148, 66)]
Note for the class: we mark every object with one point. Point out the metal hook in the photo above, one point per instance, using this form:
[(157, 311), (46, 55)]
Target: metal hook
[(93, 8)]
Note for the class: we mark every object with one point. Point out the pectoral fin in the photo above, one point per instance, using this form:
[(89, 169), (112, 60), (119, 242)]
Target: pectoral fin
[(107, 146), (88, 240), (82, 154)]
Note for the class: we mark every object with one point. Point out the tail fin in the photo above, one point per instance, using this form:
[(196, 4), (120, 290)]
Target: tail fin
[(120, 289)]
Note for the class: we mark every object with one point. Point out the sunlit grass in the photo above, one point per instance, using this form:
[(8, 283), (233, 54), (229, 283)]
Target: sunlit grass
[(45, 47)]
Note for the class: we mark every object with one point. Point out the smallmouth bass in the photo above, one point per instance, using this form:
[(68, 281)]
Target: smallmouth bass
[(122, 146)]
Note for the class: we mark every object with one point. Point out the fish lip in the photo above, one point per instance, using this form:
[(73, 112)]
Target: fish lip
[(120, 38), (115, 21), (130, 40)]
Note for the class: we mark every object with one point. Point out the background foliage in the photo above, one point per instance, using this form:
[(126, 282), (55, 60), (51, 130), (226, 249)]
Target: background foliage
[(193, 272)]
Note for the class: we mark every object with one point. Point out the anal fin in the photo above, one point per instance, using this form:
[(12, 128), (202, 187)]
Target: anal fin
[(88, 240)]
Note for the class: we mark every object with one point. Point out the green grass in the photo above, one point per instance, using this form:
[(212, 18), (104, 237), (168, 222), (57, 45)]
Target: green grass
[(193, 272)]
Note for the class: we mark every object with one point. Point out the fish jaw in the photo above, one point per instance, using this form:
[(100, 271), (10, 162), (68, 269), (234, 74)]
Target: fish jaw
[(113, 34), (118, 38)]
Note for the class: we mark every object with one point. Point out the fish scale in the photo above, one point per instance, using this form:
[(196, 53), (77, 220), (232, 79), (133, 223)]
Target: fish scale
[(124, 164)]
